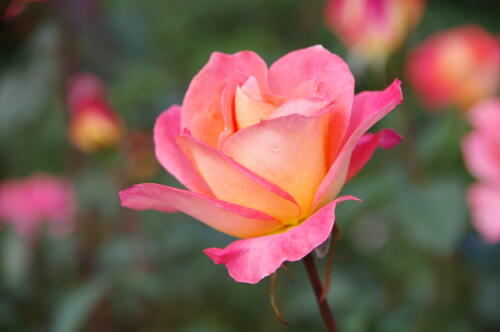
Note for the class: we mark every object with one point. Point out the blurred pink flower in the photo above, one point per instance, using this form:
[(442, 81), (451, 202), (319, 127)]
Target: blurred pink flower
[(94, 125), (16, 7), (481, 150), (484, 203), (265, 152), (373, 29), (27, 203), (458, 67)]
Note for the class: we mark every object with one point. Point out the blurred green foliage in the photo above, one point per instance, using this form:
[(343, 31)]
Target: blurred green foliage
[(407, 261)]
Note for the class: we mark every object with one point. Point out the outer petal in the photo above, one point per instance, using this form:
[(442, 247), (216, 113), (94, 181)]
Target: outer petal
[(287, 151), (250, 260), (368, 108), (484, 202), (325, 74), (202, 106), (233, 183), (169, 154), (225, 217), (367, 145), (482, 156), (315, 72)]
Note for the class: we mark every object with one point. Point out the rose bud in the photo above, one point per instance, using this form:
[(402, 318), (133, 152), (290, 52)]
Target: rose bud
[(373, 29), (93, 124), (456, 67)]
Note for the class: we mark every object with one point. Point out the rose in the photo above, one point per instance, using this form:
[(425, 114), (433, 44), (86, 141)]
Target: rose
[(27, 203), (481, 151), (265, 153), (373, 29), (458, 67), (93, 124)]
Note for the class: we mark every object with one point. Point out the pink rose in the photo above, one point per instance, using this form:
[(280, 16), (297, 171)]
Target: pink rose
[(26, 204), (265, 153), (373, 28), (458, 67), (93, 125), (481, 150)]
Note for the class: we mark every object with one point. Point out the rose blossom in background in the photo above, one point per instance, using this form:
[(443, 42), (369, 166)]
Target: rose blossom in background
[(93, 124), (373, 29), (16, 7), (458, 67), (481, 150), (27, 203), (265, 153)]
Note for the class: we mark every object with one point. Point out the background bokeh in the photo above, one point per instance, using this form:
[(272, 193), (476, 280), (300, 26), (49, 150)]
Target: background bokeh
[(408, 259)]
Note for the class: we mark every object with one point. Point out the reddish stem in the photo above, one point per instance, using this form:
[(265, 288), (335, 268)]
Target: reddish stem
[(323, 305)]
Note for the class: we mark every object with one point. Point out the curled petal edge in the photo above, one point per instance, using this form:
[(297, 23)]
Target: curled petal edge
[(364, 150), (232, 219), (368, 108), (251, 260)]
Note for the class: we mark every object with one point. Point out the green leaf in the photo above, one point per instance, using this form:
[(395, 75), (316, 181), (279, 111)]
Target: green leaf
[(73, 310)]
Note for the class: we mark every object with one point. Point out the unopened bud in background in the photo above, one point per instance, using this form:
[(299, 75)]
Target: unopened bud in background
[(373, 29), (93, 124), (457, 67)]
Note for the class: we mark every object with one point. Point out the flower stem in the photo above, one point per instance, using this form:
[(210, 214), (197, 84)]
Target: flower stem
[(323, 305)]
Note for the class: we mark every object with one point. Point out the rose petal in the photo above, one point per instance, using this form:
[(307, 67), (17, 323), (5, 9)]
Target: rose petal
[(250, 260), (485, 117), (287, 151), (202, 111), (170, 156), (484, 203), (368, 108), (233, 183), (225, 217), (482, 157), (227, 109), (251, 88), (327, 76), (249, 111), (306, 107), (367, 145), (316, 73)]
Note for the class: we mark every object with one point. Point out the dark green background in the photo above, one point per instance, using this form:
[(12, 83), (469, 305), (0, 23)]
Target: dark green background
[(408, 259)]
